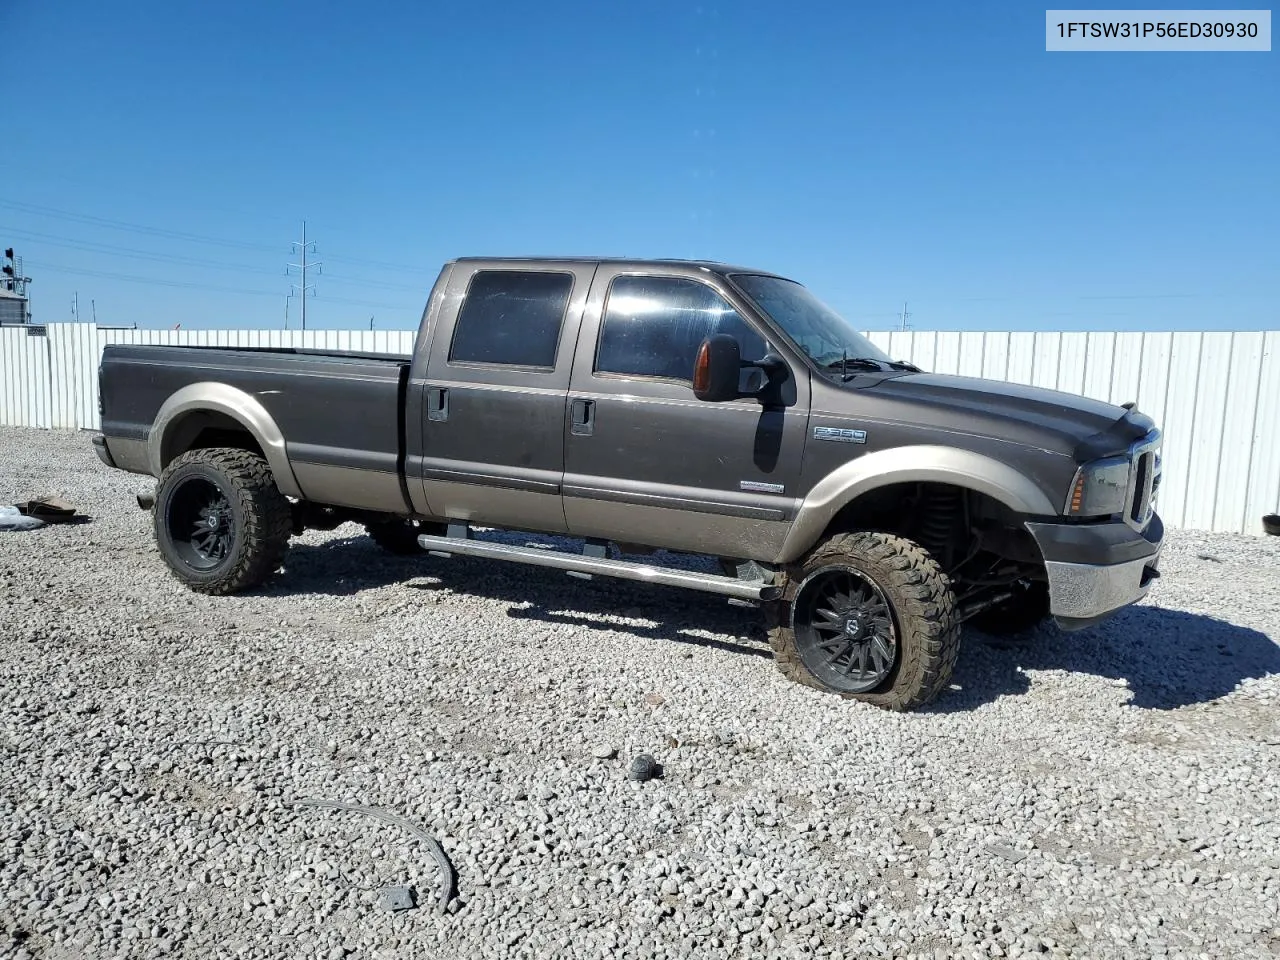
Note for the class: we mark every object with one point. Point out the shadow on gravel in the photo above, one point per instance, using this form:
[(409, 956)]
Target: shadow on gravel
[(1168, 658), (347, 566)]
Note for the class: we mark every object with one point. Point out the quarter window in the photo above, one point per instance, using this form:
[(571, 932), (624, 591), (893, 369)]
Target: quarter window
[(511, 317), (653, 327)]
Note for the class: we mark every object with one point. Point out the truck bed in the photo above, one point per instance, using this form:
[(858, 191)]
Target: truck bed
[(341, 413)]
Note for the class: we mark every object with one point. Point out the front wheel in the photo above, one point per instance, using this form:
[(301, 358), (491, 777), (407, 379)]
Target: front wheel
[(867, 616), (221, 523)]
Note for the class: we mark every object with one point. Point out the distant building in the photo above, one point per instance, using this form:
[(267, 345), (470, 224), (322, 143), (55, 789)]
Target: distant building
[(13, 308)]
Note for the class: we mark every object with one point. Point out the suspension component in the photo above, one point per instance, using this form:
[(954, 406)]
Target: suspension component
[(941, 513)]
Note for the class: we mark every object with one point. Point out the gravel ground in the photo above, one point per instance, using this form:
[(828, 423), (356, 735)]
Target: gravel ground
[(1106, 794)]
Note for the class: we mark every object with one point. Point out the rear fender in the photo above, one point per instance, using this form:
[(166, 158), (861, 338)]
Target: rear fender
[(231, 402)]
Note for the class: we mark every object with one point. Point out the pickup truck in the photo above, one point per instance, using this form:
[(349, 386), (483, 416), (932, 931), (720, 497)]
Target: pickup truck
[(647, 409)]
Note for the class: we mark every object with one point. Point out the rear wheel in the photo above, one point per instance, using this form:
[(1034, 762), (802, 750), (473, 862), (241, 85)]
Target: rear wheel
[(867, 616), (221, 523), (399, 535), (1024, 611)]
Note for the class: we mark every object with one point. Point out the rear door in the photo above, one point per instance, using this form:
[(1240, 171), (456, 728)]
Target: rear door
[(648, 462), (494, 408)]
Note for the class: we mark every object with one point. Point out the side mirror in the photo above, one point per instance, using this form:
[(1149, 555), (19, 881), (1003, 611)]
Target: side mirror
[(716, 369)]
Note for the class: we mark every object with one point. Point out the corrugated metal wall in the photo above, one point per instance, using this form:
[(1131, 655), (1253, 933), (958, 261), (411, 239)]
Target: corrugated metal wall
[(1216, 396), (25, 378)]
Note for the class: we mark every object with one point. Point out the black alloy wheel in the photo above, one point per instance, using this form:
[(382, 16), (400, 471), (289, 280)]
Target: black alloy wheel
[(845, 632), (200, 522)]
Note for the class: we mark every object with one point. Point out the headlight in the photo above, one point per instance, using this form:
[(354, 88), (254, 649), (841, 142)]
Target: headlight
[(1099, 488)]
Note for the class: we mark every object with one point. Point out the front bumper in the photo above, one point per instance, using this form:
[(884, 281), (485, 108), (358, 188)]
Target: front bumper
[(1096, 569)]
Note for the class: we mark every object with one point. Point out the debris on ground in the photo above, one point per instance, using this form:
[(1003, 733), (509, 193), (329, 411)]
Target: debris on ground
[(1208, 556), (33, 514), (48, 509), (11, 518), (644, 767), (449, 878), (395, 899), (1005, 851), (603, 751)]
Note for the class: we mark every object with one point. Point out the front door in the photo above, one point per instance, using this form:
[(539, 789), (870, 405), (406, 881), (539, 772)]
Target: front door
[(649, 463), (494, 410)]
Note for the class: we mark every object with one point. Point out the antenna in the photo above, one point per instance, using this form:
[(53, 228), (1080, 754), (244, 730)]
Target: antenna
[(302, 268)]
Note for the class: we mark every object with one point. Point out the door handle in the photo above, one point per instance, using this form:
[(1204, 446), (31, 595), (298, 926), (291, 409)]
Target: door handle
[(437, 403), (583, 419)]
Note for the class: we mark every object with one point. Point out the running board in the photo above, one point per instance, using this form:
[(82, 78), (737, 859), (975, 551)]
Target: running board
[(581, 564)]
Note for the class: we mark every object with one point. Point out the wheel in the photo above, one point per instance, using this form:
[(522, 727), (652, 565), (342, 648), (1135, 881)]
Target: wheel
[(400, 535), (221, 523), (1027, 608), (867, 616)]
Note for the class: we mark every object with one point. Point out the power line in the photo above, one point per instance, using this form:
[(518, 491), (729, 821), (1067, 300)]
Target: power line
[(109, 223), (129, 253), (182, 284)]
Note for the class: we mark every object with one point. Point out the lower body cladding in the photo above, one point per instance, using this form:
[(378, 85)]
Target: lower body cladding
[(1095, 570)]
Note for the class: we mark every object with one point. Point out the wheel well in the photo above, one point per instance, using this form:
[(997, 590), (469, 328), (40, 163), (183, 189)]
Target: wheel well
[(207, 428), (948, 520)]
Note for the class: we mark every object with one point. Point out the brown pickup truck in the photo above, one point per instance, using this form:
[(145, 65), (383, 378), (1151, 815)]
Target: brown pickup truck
[(868, 507)]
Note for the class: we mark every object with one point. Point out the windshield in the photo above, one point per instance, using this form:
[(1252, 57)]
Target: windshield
[(815, 328)]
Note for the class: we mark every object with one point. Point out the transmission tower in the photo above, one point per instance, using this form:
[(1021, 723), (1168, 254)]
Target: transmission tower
[(302, 269)]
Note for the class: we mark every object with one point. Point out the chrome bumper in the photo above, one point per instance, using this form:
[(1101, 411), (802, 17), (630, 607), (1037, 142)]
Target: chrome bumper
[(1083, 593)]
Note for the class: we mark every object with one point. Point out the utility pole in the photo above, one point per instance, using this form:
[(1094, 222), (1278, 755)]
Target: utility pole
[(904, 315), (75, 306), (93, 307), (302, 268)]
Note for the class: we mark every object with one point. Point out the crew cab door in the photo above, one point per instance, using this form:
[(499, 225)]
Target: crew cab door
[(649, 463), (493, 414)]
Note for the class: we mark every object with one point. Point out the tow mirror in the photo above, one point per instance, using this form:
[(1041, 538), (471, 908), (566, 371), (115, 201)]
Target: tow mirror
[(716, 369)]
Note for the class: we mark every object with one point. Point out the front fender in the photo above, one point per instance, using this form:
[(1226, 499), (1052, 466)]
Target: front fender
[(910, 464), (231, 402)]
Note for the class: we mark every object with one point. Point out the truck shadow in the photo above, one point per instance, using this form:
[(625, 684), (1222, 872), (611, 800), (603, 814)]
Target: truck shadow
[(351, 565), (1167, 658)]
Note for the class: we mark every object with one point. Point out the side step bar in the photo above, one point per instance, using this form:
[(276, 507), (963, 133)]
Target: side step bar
[(603, 566)]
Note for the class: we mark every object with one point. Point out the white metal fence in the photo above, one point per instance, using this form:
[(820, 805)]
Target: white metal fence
[(1216, 396)]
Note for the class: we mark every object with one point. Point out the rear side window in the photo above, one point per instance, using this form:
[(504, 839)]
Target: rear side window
[(511, 317), (653, 327)]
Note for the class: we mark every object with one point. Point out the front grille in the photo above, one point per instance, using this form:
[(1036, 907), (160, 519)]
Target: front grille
[(1138, 508), (1144, 479)]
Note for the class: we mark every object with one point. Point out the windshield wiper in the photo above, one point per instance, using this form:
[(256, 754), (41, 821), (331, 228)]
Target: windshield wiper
[(903, 365), (845, 362)]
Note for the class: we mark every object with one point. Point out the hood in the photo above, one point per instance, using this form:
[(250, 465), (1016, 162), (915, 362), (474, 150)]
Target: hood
[(1066, 423)]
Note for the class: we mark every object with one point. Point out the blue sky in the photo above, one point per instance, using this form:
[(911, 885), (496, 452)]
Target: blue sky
[(926, 152)]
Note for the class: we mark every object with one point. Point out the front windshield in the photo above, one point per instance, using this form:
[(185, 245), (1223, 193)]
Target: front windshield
[(815, 328)]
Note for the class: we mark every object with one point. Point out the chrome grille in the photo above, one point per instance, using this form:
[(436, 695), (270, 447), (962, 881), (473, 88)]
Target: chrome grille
[(1144, 480)]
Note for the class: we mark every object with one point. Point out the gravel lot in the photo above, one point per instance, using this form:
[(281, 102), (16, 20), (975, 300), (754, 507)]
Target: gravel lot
[(1107, 794)]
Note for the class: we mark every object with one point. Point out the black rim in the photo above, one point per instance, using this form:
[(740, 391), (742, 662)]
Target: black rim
[(844, 630), (200, 523)]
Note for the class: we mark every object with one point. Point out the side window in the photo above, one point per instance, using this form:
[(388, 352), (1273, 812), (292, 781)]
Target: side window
[(653, 327), (511, 317)]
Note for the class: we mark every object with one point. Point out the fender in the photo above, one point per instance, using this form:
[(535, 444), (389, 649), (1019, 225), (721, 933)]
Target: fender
[(231, 402), (910, 464)]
